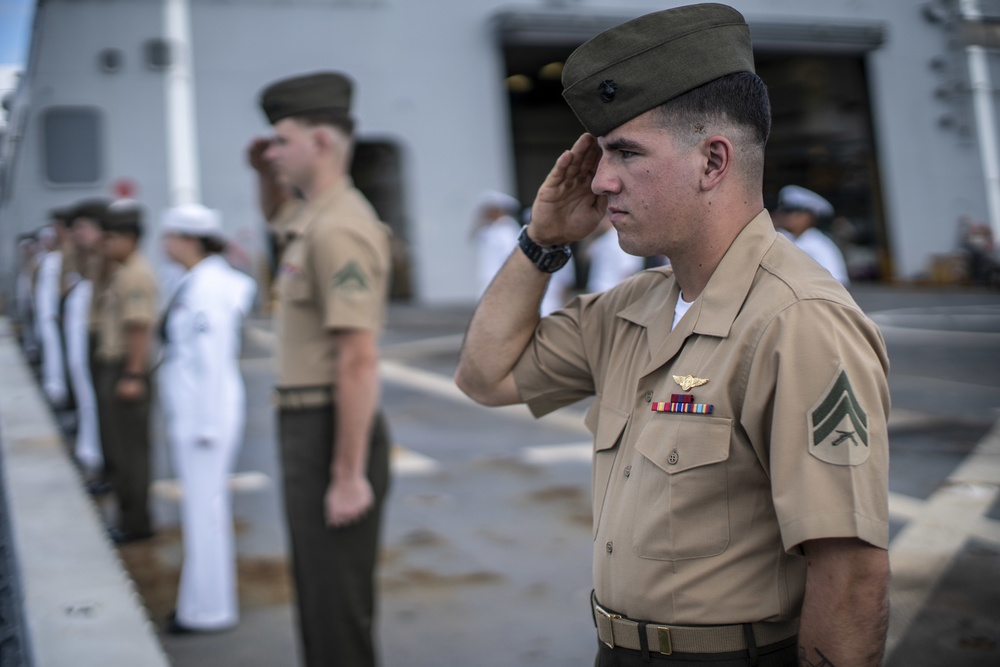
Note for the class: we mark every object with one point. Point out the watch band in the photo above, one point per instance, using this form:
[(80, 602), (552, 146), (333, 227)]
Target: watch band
[(547, 259)]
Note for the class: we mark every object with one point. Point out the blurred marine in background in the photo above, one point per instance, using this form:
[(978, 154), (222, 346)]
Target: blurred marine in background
[(126, 313), (332, 287)]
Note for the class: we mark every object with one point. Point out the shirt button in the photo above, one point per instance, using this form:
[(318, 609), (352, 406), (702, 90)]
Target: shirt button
[(673, 458), (610, 546), (628, 470), (649, 397)]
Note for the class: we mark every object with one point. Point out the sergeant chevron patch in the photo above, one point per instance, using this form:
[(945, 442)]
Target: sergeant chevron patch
[(351, 279), (838, 426)]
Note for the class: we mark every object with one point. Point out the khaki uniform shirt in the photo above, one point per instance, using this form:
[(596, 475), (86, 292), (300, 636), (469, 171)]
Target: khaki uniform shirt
[(698, 517), (130, 298), (95, 269), (69, 271), (334, 275), (287, 223)]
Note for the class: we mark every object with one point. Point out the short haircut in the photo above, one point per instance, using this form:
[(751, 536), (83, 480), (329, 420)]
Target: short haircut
[(211, 245), (132, 232), (342, 122), (737, 100)]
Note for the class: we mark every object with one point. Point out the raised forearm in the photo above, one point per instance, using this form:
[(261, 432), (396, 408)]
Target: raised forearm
[(499, 331), (565, 210)]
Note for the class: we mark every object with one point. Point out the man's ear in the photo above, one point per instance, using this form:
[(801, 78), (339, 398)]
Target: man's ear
[(718, 153), (319, 138)]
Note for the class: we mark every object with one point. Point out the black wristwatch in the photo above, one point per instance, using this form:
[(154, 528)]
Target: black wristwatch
[(547, 259)]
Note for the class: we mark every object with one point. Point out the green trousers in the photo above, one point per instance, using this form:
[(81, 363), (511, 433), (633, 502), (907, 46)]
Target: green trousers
[(124, 427), (333, 568)]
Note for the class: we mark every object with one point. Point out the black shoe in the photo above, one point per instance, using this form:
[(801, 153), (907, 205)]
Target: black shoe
[(175, 627), (98, 488), (120, 537)]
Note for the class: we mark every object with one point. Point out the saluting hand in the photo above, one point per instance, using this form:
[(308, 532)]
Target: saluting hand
[(566, 208), (255, 154), (348, 500)]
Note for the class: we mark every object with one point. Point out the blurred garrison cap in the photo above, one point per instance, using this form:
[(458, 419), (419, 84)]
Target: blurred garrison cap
[(123, 216), (61, 214), (636, 66), (193, 220), (795, 198), (323, 93), (92, 209)]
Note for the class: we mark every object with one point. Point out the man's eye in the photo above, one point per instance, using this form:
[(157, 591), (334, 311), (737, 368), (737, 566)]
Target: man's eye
[(627, 154)]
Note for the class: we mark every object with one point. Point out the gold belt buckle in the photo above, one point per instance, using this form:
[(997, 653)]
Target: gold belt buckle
[(611, 626), (663, 635)]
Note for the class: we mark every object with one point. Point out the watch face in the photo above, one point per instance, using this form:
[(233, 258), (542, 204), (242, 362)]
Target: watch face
[(553, 261), (547, 260)]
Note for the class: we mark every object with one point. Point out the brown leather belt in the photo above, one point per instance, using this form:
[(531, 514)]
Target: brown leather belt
[(303, 398), (614, 630)]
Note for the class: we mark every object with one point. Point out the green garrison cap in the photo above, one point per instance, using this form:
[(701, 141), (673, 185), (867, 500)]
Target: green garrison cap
[(62, 213), (122, 215), (89, 208), (320, 93), (629, 69)]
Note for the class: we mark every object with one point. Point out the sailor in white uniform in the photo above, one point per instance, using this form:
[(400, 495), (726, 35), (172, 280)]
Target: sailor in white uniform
[(798, 212), (47, 305), (494, 231), (86, 234), (204, 406)]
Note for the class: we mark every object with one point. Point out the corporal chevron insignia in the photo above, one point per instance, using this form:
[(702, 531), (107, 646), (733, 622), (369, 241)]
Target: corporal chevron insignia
[(838, 426), (351, 279)]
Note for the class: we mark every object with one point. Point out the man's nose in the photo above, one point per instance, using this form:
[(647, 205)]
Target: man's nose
[(605, 182)]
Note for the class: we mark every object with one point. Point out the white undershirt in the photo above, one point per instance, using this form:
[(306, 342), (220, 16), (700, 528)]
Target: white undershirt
[(679, 310)]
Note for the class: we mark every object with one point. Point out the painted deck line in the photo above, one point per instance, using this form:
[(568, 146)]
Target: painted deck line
[(402, 461), (926, 547)]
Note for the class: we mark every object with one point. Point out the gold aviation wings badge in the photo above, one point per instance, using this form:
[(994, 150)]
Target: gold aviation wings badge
[(689, 382)]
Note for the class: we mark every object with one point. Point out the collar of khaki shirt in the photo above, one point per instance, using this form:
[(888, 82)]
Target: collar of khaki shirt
[(301, 224), (715, 310)]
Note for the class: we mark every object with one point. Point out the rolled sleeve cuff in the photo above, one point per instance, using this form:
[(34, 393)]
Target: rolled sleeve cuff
[(835, 524), (535, 388)]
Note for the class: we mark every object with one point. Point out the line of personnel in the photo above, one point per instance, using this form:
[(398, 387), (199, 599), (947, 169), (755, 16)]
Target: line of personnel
[(89, 318)]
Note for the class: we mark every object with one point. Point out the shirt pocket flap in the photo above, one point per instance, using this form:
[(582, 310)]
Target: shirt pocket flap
[(606, 422), (297, 288), (681, 442)]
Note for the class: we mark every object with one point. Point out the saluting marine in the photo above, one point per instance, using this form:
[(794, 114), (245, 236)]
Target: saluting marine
[(733, 523)]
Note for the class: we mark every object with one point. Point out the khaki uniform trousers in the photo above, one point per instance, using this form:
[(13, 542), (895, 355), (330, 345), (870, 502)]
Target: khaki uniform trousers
[(124, 427), (333, 568), (95, 371)]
